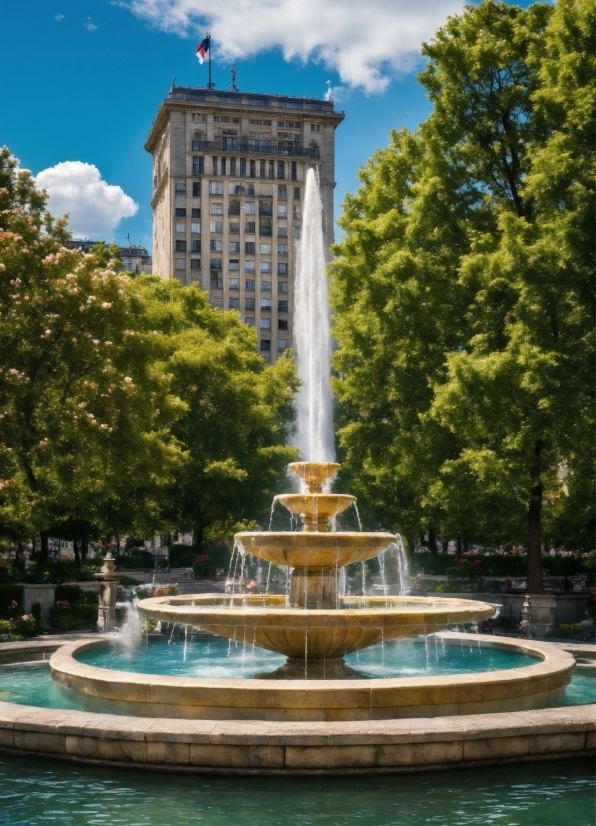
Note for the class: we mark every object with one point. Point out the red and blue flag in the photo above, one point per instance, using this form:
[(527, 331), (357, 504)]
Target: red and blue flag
[(202, 49)]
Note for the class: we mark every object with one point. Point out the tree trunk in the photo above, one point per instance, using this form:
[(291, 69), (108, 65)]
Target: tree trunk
[(445, 545), (117, 538), (459, 545), (534, 569), (198, 534), (432, 540), (44, 549), (84, 548), (77, 557)]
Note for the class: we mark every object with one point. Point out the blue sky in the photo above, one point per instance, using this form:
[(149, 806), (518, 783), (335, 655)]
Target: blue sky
[(84, 80)]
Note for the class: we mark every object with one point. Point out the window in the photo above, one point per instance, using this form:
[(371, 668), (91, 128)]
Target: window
[(216, 281), (249, 284), (282, 323), (198, 165), (265, 344), (195, 246), (215, 245), (265, 266), (221, 119), (216, 226), (234, 303), (265, 208), (223, 166), (196, 190), (249, 247), (250, 320), (265, 286), (272, 169), (265, 249), (282, 211), (180, 189), (315, 127), (282, 344), (214, 163), (243, 167), (215, 188), (196, 228), (296, 193), (249, 227), (265, 324), (262, 169), (249, 303), (180, 228), (260, 122), (180, 263), (282, 286), (249, 266), (234, 246), (253, 169), (234, 229), (235, 188), (282, 306), (282, 269), (249, 208), (215, 264), (234, 207), (196, 117), (250, 190), (265, 227), (232, 166), (294, 173), (195, 263), (195, 213), (265, 304), (281, 170), (180, 246), (234, 284), (181, 213), (282, 249), (282, 232), (281, 191), (234, 265), (216, 209)]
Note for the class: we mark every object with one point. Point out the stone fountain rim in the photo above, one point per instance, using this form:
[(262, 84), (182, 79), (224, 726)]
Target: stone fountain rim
[(554, 663)]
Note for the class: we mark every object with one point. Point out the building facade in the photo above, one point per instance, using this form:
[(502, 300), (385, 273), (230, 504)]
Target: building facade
[(228, 186), (135, 259)]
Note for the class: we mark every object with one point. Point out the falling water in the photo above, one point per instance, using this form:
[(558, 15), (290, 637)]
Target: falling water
[(314, 403), (395, 570), (132, 628)]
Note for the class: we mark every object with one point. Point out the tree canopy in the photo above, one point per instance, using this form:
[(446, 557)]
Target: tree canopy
[(463, 290)]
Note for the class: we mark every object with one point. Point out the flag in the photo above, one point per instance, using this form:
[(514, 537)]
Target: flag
[(202, 49)]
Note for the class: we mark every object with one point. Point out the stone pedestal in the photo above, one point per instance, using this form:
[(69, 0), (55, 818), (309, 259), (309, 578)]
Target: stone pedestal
[(538, 613), (45, 595), (108, 591)]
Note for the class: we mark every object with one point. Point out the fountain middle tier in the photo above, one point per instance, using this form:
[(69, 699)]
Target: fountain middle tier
[(316, 557), (314, 641)]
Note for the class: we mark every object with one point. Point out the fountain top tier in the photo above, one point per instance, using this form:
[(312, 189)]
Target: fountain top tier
[(313, 506)]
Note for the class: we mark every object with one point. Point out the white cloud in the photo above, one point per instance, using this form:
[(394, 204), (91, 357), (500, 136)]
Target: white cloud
[(95, 206), (366, 43), (90, 25), (58, 18)]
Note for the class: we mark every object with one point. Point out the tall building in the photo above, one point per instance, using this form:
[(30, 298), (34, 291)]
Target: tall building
[(228, 186)]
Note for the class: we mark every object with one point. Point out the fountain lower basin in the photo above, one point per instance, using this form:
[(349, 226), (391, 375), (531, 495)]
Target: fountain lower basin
[(539, 685)]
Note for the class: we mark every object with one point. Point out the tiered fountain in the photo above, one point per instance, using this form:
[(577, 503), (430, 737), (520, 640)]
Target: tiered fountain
[(314, 626)]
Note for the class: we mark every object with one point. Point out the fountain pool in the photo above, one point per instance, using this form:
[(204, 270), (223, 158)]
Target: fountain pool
[(42, 793)]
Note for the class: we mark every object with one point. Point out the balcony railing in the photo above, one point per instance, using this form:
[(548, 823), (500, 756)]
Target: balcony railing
[(258, 147)]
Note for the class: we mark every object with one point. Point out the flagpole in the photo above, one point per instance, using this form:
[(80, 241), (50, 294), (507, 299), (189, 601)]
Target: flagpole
[(210, 84)]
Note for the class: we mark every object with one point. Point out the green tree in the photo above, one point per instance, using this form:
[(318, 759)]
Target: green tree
[(427, 284), (82, 443), (237, 410)]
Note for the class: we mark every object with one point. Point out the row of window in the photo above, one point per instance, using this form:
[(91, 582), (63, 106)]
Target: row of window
[(216, 188), (265, 323), (245, 168), (250, 227), (249, 285), (249, 266), (282, 344), (250, 247)]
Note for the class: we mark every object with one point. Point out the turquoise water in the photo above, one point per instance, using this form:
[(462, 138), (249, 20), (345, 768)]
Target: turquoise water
[(209, 656), (48, 793)]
